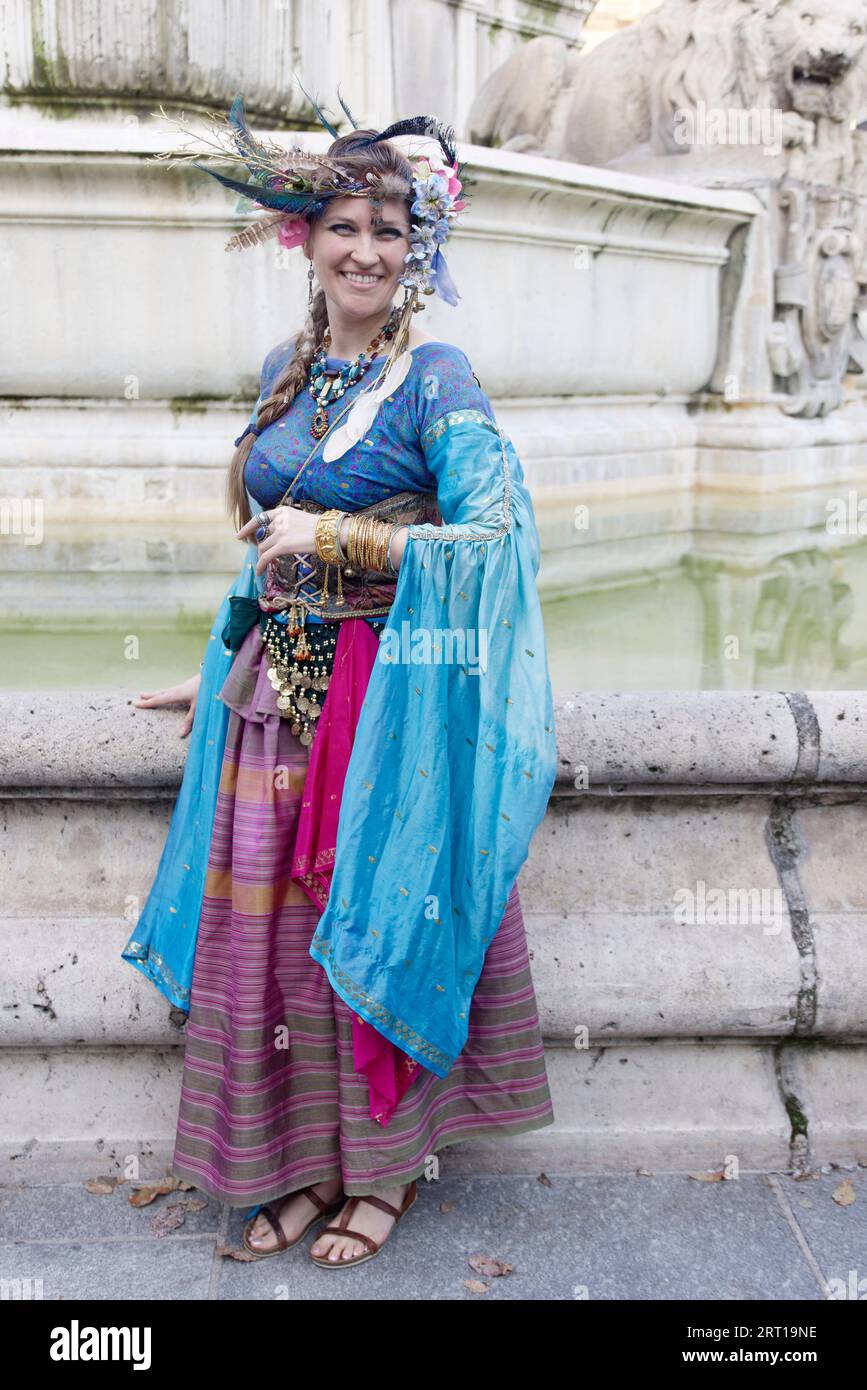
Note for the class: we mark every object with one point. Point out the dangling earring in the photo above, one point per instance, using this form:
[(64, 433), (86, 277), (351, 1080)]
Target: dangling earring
[(310, 285)]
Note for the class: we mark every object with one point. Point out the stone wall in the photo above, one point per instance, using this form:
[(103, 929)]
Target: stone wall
[(696, 910)]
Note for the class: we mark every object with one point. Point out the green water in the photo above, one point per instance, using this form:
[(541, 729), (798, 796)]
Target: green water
[(657, 593)]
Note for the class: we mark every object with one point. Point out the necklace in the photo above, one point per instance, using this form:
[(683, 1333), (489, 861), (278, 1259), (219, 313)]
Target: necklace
[(327, 385)]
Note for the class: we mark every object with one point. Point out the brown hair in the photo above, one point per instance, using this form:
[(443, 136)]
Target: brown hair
[(383, 158)]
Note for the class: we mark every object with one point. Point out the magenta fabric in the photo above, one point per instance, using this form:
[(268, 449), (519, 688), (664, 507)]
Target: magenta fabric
[(389, 1071)]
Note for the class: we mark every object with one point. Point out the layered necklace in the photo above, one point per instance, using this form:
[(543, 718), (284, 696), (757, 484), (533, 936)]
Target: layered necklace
[(328, 384)]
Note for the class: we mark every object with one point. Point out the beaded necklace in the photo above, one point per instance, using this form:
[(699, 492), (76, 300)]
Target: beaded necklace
[(327, 385)]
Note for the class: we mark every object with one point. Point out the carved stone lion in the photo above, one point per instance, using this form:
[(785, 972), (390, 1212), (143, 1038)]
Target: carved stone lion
[(805, 59)]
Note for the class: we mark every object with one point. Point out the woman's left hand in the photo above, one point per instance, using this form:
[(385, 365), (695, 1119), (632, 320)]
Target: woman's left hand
[(290, 531)]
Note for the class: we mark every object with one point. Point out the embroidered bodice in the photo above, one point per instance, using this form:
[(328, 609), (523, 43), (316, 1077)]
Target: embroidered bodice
[(390, 459)]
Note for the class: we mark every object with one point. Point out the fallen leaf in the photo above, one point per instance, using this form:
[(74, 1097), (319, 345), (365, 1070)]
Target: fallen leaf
[(228, 1252), (844, 1195), (194, 1203), (447, 1206), (709, 1177), (486, 1264), (476, 1286), (168, 1219), (147, 1192), (544, 1180), (101, 1187)]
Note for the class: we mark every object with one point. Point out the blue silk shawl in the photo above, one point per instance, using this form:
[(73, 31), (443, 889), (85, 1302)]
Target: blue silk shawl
[(451, 770)]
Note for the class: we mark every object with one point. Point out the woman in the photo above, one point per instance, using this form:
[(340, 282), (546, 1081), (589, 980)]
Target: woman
[(360, 992)]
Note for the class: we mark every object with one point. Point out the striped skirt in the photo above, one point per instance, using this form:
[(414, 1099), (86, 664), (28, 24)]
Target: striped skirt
[(270, 1100)]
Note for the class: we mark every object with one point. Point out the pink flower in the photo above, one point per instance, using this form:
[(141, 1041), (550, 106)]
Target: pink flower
[(455, 184), (437, 166), (294, 231)]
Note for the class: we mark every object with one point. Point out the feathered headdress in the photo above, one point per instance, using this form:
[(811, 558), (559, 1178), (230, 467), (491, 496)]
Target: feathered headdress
[(295, 186)]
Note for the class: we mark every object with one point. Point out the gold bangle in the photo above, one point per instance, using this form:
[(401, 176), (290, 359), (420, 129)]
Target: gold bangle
[(368, 543), (325, 533)]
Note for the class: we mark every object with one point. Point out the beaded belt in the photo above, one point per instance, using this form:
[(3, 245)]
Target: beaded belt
[(302, 660)]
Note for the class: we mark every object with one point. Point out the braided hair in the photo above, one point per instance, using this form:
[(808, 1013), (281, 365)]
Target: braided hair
[(383, 159)]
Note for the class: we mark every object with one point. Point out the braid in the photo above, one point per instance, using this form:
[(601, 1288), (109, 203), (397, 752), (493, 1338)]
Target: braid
[(291, 380)]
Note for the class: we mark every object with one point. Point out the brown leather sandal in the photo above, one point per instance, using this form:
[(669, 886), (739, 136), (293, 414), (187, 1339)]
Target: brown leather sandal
[(342, 1228), (272, 1216)]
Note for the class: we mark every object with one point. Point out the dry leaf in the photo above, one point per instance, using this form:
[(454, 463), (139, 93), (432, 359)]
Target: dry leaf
[(186, 1186), (709, 1177), (844, 1195), (228, 1252), (447, 1206), (476, 1286), (147, 1192), (168, 1219), (544, 1180), (194, 1203), (487, 1265), (101, 1187)]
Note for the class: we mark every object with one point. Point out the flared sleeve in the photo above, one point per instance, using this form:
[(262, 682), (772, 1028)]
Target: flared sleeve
[(455, 753)]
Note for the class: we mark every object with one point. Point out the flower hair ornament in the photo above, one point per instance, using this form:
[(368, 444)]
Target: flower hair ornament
[(295, 186)]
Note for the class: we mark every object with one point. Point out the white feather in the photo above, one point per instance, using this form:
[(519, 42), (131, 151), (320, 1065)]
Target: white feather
[(363, 412)]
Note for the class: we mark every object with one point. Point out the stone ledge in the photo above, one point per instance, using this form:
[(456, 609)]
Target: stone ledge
[(622, 742), (657, 1107)]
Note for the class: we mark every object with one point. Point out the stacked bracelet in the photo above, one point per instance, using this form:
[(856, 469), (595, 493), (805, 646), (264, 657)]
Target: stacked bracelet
[(368, 545)]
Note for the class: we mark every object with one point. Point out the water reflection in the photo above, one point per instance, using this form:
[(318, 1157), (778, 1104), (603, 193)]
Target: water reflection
[(710, 592), (684, 592)]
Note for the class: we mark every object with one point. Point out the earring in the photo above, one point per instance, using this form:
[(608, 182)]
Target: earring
[(310, 285)]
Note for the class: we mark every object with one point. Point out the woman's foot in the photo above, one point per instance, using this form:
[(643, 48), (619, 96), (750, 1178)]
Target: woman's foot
[(294, 1214), (370, 1220)]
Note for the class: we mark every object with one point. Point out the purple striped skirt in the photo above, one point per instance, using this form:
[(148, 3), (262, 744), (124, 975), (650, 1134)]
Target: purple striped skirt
[(270, 1100)]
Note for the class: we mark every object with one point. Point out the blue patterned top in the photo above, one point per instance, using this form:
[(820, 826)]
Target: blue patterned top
[(389, 460)]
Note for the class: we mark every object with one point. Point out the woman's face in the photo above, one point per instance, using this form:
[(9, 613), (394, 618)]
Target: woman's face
[(358, 258)]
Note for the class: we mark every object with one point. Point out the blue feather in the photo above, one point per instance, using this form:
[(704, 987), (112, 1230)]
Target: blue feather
[(319, 114), (352, 121), (289, 201)]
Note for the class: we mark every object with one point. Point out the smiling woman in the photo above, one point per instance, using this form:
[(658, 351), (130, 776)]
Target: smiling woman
[(360, 993)]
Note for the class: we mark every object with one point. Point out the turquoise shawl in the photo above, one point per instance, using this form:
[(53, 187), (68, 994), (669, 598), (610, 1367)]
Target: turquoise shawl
[(453, 761), (163, 945)]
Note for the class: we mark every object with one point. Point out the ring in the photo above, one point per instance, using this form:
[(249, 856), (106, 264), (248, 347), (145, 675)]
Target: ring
[(263, 526)]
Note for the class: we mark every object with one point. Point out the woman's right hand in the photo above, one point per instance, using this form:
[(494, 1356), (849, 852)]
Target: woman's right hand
[(186, 693)]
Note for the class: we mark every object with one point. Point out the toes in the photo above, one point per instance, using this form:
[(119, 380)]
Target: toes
[(260, 1236)]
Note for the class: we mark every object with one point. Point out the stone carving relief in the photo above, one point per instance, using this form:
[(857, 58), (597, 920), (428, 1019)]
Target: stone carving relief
[(759, 94)]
